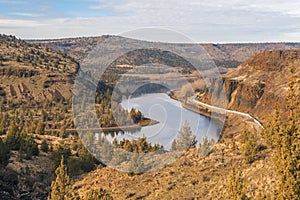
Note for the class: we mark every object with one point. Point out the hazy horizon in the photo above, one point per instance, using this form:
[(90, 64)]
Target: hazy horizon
[(220, 21), (208, 42)]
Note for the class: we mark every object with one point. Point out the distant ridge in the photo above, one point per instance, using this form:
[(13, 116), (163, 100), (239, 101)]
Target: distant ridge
[(229, 55)]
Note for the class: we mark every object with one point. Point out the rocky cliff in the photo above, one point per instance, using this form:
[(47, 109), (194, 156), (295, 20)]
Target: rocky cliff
[(260, 84)]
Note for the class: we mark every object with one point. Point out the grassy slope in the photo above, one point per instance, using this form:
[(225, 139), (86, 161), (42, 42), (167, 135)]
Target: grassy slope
[(190, 177)]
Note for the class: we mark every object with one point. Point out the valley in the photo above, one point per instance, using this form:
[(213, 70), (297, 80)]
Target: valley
[(129, 139)]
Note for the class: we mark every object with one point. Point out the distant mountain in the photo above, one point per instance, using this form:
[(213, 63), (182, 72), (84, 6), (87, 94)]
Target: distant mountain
[(224, 55), (78, 48)]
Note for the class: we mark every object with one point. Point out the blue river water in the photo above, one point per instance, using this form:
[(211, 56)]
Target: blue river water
[(171, 115)]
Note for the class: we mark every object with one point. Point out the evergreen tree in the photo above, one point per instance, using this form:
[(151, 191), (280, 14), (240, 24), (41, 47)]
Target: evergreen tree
[(60, 184), (250, 148), (115, 143), (86, 160), (44, 146), (174, 146), (4, 154), (235, 186), (185, 139), (142, 145), (13, 137), (205, 146), (28, 146), (73, 166), (287, 149), (272, 127), (40, 128), (62, 132), (2, 126), (57, 153)]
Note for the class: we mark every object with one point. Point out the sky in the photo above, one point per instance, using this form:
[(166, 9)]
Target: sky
[(204, 21)]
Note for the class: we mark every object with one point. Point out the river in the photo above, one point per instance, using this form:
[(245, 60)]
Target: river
[(171, 115)]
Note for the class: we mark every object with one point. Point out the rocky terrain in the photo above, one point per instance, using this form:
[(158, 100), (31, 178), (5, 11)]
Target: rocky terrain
[(192, 176), (30, 75), (259, 84), (31, 72)]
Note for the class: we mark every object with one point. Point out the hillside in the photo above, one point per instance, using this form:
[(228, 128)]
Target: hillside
[(35, 83), (35, 86), (261, 82), (256, 86), (31, 72), (224, 55)]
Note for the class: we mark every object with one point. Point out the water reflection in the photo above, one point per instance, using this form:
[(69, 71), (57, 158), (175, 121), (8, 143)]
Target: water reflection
[(171, 115)]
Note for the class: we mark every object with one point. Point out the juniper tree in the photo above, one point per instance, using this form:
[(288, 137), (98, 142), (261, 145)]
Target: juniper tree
[(4, 154), (287, 148), (185, 139), (205, 146), (235, 186), (250, 148), (40, 128), (60, 184), (28, 147), (174, 146), (13, 137), (44, 146)]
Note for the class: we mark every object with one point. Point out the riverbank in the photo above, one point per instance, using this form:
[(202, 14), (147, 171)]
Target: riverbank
[(217, 118), (143, 123)]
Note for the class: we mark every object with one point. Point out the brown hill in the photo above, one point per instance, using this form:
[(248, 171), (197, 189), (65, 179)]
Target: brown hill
[(256, 86), (253, 87), (260, 83), (224, 55), (31, 72)]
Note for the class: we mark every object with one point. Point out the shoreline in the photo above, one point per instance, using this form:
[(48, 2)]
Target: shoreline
[(143, 123), (203, 112)]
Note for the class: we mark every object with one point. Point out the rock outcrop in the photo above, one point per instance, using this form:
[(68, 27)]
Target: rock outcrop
[(261, 83)]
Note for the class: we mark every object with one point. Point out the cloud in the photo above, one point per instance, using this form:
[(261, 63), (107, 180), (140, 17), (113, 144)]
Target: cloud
[(12, 2), (10, 23), (25, 14), (203, 21)]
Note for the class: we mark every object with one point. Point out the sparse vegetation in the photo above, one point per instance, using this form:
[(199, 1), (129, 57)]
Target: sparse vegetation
[(98, 194), (35, 105)]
